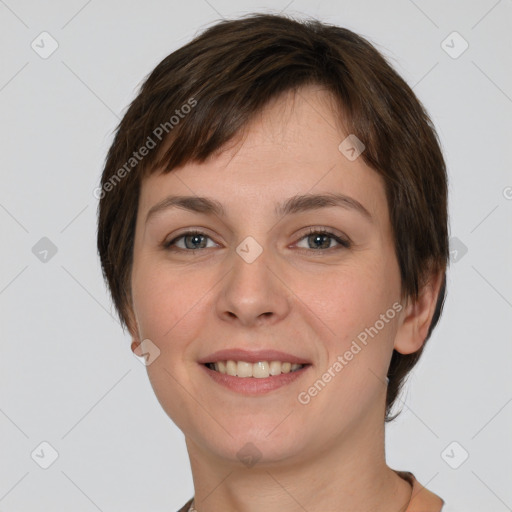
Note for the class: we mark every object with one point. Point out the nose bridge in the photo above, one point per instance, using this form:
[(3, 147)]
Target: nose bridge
[(251, 289)]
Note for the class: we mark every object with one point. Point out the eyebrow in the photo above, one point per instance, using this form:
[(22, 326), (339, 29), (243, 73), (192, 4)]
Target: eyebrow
[(295, 204)]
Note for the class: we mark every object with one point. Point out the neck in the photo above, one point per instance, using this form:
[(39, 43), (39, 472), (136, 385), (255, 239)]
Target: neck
[(349, 473)]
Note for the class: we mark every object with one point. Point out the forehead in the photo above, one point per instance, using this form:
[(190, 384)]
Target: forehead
[(291, 147)]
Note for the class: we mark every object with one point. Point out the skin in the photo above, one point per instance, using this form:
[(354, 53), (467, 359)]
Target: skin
[(328, 454)]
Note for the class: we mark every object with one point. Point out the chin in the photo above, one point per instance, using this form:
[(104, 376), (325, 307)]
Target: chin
[(258, 446)]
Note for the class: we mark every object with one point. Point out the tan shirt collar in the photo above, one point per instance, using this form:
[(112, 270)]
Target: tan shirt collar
[(422, 499)]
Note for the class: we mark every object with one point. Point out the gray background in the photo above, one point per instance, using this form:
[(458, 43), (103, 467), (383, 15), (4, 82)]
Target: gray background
[(67, 375)]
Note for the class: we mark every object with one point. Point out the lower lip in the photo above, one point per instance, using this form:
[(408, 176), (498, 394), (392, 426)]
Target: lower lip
[(253, 385)]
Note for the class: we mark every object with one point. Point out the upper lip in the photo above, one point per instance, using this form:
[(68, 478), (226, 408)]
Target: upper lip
[(252, 356)]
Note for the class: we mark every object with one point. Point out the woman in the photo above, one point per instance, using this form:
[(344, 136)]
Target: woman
[(273, 230)]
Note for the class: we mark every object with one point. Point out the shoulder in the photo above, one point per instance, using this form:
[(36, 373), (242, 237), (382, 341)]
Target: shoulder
[(422, 499), (186, 506)]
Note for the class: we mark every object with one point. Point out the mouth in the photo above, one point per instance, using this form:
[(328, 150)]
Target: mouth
[(254, 379), (254, 372), (258, 370)]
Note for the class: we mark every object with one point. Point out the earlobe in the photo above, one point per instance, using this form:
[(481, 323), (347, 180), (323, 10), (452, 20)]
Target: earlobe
[(134, 346), (417, 317)]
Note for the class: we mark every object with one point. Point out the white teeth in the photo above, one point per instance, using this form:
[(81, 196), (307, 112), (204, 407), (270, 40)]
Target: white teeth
[(275, 368), (259, 370), (231, 367), (244, 369)]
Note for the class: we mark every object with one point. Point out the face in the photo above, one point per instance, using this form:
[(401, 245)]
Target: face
[(317, 280)]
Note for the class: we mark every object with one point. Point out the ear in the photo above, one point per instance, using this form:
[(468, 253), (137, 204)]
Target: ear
[(417, 316), (133, 329)]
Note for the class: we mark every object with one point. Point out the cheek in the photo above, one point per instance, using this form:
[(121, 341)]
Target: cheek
[(351, 299), (169, 309), (357, 307), (162, 297), (356, 304)]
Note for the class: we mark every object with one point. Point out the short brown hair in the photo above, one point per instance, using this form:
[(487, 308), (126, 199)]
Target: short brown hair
[(229, 73)]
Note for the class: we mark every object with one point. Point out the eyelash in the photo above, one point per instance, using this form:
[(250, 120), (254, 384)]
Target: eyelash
[(344, 243)]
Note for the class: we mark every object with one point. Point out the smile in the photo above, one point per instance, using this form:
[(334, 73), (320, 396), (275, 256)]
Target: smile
[(254, 379)]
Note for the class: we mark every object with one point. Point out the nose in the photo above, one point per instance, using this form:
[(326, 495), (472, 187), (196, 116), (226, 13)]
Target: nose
[(254, 292)]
